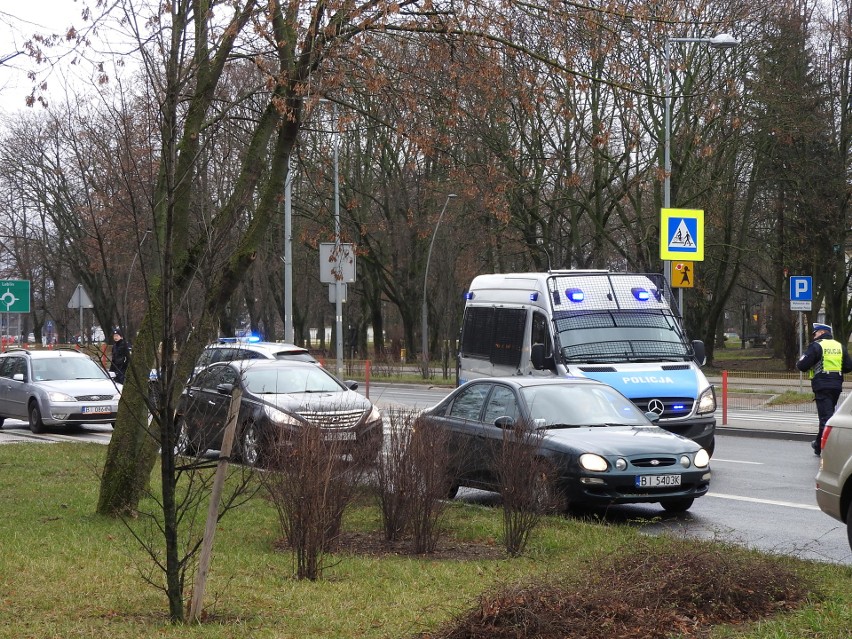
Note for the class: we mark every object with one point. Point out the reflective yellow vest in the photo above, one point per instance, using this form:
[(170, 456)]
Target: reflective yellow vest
[(832, 357)]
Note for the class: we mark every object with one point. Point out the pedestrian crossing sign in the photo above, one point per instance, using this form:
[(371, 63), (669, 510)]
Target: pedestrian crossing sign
[(682, 234), (683, 275)]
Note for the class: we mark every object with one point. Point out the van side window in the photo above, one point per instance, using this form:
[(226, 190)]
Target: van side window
[(495, 334), (541, 332)]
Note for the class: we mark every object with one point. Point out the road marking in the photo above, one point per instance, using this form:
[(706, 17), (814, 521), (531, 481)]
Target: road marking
[(771, 502), (735, 461)]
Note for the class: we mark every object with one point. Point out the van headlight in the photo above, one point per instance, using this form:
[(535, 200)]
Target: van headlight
[(707, 401)]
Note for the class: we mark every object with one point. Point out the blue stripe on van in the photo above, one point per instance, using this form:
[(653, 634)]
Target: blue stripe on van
[(650, 383)]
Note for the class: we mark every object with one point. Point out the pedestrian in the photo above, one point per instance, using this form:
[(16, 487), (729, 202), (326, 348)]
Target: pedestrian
[(827, 360), (120, 355)]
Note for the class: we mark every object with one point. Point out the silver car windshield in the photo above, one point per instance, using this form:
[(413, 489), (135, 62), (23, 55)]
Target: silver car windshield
[(61, 368), (567, 405), (284, 380)]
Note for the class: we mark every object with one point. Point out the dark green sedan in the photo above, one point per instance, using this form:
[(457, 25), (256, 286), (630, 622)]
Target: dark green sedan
[(602, 448)]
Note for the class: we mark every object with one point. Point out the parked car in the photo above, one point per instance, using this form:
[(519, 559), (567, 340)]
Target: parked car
[(278, 395), (834, 479), (54, 387), (602, 448)]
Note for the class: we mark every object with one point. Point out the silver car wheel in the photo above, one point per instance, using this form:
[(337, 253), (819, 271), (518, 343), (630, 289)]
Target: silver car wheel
[(250, 445), (36, 423)]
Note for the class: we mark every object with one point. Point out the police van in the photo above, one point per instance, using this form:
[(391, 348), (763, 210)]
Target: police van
[(618, 328)]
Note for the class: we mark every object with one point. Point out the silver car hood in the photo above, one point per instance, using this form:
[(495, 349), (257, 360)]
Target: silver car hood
[(81, 387)]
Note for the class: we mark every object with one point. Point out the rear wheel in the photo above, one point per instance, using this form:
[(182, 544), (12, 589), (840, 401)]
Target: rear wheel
[(251, 445), (677, 505), (849, 524), (36, 423), (184, 444)]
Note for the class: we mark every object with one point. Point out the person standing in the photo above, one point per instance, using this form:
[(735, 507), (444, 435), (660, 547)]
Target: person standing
[(827, 360), (120, 355)]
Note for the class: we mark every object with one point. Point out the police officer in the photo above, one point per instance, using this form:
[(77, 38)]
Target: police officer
[(120, 355), (827, 360)]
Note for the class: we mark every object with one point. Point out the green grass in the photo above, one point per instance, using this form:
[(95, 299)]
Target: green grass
[(65, 572)]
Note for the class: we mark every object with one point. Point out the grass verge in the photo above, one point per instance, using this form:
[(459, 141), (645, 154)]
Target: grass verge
[(65, 572)]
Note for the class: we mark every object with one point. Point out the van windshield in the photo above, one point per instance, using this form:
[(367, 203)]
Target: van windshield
[(617, 336)]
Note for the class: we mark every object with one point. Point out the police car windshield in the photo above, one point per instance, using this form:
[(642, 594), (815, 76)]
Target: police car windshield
[(617, 336)]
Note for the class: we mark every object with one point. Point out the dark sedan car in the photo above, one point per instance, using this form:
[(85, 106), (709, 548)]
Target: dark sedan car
[(602, 448), (277, 397)]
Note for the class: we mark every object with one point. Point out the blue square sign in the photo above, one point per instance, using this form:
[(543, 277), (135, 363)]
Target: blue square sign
[(801, 288)]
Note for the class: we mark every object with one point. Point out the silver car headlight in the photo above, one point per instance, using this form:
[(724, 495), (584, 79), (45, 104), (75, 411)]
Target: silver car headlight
[(702, 459), (279, 417), (707, 401), (55, 396), (374, 416), (596, 463)]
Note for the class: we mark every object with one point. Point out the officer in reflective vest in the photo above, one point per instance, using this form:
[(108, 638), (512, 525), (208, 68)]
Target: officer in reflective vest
[(827, 360)]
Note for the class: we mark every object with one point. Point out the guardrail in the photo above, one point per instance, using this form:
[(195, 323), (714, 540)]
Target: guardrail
[(756, 390)]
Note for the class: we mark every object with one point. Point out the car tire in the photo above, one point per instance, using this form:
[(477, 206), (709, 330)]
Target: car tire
[(36, 422), (452, 491), (184, 440), (252, 451), (676, 506), (2, 419), (849, 524)]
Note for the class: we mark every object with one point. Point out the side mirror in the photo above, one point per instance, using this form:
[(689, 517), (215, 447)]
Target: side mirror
[(652, 417), (18, 377), (539, 361), (504, 422), (225, 389), (351, 384), (700, 356)]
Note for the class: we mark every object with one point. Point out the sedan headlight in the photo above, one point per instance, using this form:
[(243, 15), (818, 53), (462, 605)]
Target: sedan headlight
[(374, 416), (279, 417), (702, 459), (596, 463), (707, 401), (56, 396)]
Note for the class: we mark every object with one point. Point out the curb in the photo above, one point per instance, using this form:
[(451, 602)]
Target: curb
[(765, 433)]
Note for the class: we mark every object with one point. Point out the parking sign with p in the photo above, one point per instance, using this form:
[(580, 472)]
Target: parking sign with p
[(801, 292)]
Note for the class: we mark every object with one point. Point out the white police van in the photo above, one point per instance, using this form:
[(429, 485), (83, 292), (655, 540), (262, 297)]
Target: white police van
[(618, 328)]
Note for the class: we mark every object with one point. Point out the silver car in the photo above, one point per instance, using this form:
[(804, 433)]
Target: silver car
[(53, 387), (834, 479)]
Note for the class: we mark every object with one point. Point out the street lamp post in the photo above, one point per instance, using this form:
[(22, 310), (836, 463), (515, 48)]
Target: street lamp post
[(129, 273), (721, 41), (424, 318)]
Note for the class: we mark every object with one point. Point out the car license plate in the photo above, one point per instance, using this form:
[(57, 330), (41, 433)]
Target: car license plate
[(657, 481), (88, 410), (340, 436)]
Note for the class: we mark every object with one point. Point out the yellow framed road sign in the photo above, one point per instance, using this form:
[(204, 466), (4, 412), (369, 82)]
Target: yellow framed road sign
[(682, 234), (683, 275)]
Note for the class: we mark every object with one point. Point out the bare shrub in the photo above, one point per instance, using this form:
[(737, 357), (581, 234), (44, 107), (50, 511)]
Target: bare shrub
[(527, 483), (395, 479), (310, 479), (432, 462), (650, 591)]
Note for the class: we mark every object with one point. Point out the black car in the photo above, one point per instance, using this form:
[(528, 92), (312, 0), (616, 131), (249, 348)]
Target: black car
[(277, 397), (602, 448)]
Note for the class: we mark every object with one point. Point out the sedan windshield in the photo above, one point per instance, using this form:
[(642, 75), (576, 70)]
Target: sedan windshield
[(62, 368), (283, 380), (566, 405)]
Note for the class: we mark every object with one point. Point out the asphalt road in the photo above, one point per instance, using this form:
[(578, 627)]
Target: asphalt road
[(761, 494)]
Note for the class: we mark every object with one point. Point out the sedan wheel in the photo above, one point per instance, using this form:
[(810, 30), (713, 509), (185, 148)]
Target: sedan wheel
[(251, 445), (36, 423), (677, 505), (849, 524), (184, 444)]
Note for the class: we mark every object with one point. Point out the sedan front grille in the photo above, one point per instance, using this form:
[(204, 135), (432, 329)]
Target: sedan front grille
[(333, 419), (654, 462), (93, 398)]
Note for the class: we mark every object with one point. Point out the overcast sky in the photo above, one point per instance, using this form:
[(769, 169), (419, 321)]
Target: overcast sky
[(19, 20)]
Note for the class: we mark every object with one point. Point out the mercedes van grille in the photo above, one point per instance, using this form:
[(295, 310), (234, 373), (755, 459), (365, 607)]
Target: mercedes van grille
[(673, 407)]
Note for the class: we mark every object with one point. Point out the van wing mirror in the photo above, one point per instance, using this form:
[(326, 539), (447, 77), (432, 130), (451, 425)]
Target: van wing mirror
[(700, 355), (539, 361)]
